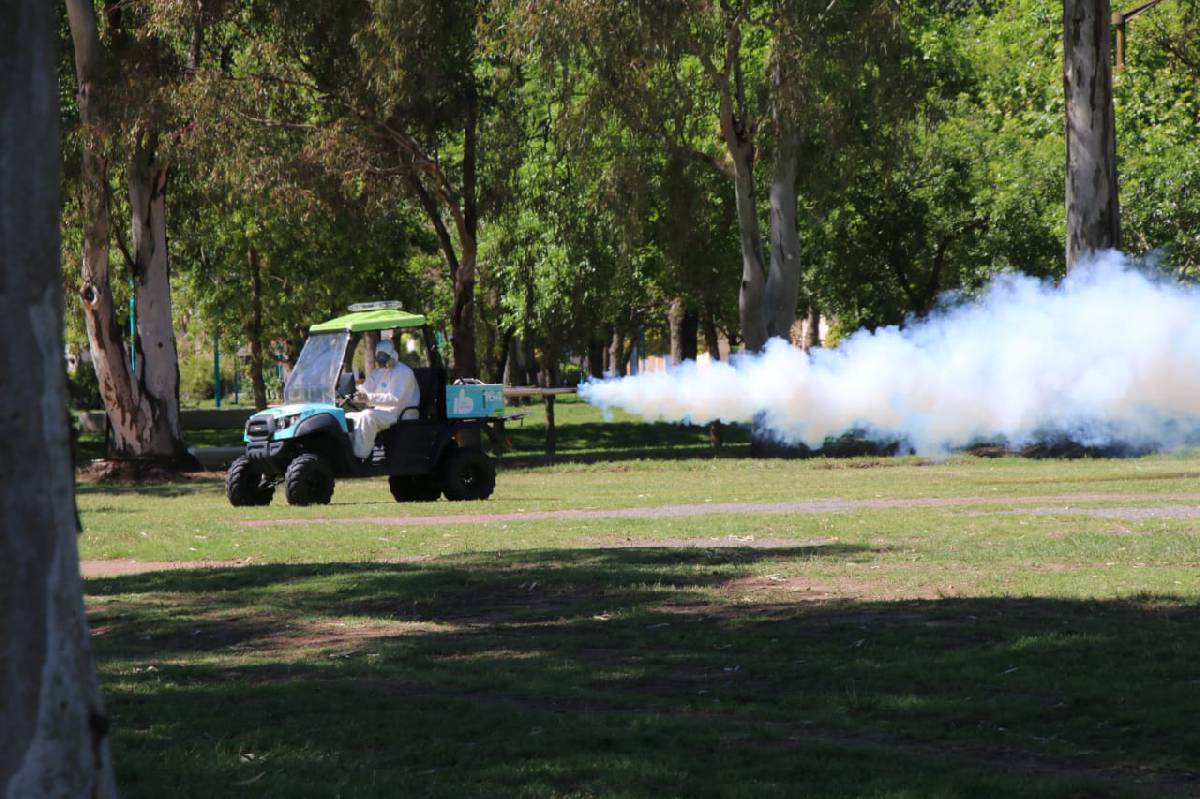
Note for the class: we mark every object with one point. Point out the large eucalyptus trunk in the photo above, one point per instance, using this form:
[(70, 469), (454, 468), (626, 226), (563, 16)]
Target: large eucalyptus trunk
[(143, 408), (753, 287), (783, 279), (54, 735), (1093, 210), (157, 371), (95, 292)]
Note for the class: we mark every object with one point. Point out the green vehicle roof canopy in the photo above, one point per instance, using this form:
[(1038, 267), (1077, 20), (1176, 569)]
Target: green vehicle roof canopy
[(360, 321)]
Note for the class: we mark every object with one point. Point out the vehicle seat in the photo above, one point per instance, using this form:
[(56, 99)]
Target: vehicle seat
[(427, 383)]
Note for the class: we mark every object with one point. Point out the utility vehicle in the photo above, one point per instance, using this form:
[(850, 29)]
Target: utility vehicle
[(304, 444)]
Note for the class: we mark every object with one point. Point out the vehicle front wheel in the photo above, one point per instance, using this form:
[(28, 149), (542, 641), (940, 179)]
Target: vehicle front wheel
[(468, 475), (406, 488), (308, 480), (245, 485)]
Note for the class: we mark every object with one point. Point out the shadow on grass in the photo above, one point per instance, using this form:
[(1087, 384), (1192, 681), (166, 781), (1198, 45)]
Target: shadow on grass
[(641, 672), (176, 488)]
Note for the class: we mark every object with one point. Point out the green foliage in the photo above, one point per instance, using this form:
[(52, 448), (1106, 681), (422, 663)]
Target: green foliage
[(83, 388), (331, 141), (1158, 137)]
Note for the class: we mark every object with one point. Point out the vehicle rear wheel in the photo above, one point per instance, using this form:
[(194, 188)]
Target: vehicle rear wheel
[(308, 480), (468, 475), (246, 486), (406, 488)]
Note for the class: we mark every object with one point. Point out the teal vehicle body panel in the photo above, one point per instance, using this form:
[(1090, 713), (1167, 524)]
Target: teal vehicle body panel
[(293, 415)]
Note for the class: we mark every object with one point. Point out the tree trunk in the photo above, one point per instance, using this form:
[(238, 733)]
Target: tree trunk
[(753, 287), (158, 360), (616, 354), (690, 333), (54, 736), (736, 131), (712, 340), (595, 357), (104, 334), (144, 423), (675, 327), (505, 354), (514, 369), (255, 333), (783, 281), (1093, 210), (370, 342), (463, 315), (812, 333)]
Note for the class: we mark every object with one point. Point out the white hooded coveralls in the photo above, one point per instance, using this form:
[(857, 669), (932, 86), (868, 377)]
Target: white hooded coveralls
[(389, 390)]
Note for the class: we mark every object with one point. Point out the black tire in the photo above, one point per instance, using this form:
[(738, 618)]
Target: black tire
[(468, 475), (308, 480), (245, 485), (406, 488)]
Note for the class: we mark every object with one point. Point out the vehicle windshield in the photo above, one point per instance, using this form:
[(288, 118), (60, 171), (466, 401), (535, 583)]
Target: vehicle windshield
[(314, 378)]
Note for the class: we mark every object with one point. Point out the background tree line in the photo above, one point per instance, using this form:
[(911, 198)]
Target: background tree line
[(553, 179)]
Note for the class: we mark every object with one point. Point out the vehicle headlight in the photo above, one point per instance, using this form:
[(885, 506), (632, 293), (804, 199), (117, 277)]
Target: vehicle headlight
[(287, 421)]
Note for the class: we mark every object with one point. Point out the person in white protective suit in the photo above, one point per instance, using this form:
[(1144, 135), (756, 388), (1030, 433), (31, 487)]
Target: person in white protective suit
[(388, 390)]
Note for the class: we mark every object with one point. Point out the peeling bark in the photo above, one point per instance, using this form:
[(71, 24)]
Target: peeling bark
[(753, 286), (158, 360), (1093, 209), (782, 291), (143, 408), (53, 739)]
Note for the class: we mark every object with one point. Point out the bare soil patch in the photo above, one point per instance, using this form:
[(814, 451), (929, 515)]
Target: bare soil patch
[(90, 569), (1127, 513), (120, 567), (726, 542), (143, 472)]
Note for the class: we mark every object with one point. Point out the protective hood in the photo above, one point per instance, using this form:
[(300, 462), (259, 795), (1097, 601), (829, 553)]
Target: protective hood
[(386, 347)]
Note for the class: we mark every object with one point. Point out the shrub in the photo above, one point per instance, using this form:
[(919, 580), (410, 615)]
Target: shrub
[(84, 388)]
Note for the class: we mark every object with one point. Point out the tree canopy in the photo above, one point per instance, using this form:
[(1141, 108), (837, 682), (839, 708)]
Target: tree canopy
[(551, 181)]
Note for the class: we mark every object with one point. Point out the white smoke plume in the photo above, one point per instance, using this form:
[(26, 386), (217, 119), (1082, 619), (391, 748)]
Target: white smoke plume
[(1110, 355)]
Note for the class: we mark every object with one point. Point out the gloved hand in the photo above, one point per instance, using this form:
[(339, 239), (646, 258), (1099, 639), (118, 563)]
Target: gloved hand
[(361, 397)]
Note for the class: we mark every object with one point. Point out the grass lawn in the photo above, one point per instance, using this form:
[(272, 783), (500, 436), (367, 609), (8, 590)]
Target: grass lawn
[(1038, 640)]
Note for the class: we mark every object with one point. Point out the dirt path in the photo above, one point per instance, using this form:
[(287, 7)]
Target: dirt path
[(704, 509), (1042, 504), (89, 569)]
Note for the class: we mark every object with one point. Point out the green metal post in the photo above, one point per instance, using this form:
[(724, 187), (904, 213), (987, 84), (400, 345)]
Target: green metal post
[(217, 370), (132, 330)]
